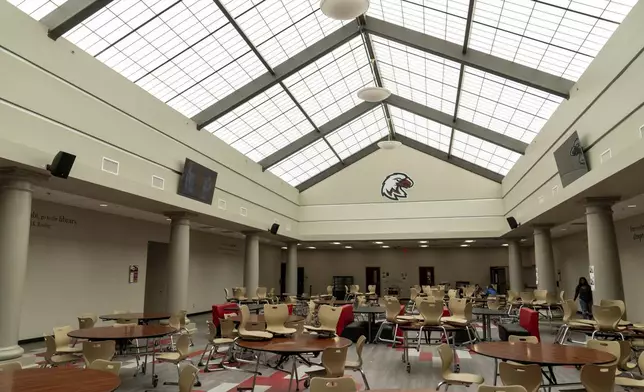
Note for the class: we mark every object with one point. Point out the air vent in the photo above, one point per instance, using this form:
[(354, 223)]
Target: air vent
[(540, 199), (110, 166), (555, 190), (243, 211), (606, 155), (158, 182), (221, 204)]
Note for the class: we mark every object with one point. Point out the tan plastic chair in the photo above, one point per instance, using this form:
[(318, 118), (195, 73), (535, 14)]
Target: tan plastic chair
[(322, 384), (329, 290), (187, 378), (523, 339), (461, 311), (333, 361), (261, 293), (10, 366), (247, 334), (113, 367), (451, 378), (212, 346), (527, 298), (607, 318), (371, 289), (570, 323), (298, 326), (356, 366), (426, 289), (528, 376), (86, 322), (596, 378), (52, 358), (540, 297), (452, 293), (276, 316), (611, 347), (328, 317), (104, 350), (624, 363), (493, 303), (628, 380), (63, 341), (181, 355), (501, 388), (392, 309), (431, 313), (614, 302), (413, 293)]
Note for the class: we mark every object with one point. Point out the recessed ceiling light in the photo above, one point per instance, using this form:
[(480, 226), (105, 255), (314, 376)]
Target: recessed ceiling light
[(563, 229), (344, 9), (631, 206), (424, 246), (524, 239), (504, 244), (298, 244), (310, 247), (385, 246), (102, 205), (336, 243), (283, 247), (374, 94), (422, 242), (464, 245), (470, 241), (348, 247), (168, 219), (378, 242)]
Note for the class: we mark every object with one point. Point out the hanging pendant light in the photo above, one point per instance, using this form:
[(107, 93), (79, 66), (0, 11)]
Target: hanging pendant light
[(389, 144), (344, 9), (374, 94)]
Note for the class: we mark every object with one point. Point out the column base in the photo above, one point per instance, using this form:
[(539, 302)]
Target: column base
[(11, 353)]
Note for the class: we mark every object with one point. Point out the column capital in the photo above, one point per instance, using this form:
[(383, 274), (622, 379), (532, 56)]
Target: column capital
[(542, 228), (12, 174), (180, 217), (600, 202)]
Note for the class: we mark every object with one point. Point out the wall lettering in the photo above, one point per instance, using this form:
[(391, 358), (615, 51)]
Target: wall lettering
[(45, 221), (638, 232)]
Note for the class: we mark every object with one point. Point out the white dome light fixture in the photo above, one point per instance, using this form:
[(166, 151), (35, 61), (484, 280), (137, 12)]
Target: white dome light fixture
[(374, 94), (344, 9), (388, 144)]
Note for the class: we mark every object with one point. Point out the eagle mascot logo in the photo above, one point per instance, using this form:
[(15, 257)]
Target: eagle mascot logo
[(394, 185)]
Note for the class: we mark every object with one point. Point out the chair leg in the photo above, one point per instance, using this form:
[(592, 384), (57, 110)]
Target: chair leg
[(205, 350), (440, 384), (420, 334), (364, 378)]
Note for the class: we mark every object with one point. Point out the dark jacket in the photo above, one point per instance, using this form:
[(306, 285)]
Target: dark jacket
[(584, 292)]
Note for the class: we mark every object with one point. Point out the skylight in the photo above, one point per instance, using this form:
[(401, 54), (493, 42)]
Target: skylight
[(37, 8), (306, 163), (360, 133), (482, 153), (421, 129)]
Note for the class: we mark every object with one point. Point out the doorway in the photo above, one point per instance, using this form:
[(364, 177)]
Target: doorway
[(373, 278), (498, 277), (426, 276), (156, 279), (300, 279)]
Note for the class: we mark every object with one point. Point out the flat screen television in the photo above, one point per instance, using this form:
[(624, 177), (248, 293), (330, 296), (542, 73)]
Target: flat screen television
[(571, 161), (197, 182)]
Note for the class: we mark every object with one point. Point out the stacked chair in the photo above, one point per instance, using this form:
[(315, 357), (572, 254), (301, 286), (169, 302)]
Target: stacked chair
[(228, 336), (177, 357), (328, 317), (276, 317), (392, 311), (246, 334)]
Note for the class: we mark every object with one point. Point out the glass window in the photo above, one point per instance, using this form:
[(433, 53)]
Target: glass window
[(360, 133), (421, 129), (37, 9), (306, 163), (482, 153)]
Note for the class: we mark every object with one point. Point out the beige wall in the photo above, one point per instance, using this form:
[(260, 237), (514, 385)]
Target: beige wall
[(450, 264), (445, 201), (82, 266)]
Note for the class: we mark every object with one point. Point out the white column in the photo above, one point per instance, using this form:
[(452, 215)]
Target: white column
[(251, 265), (15, 222), (515, 268), (178, 263), (544, 260), (291, 269), (603, 254)]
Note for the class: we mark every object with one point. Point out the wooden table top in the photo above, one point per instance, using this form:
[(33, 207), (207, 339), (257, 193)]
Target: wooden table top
[(337, 302), (542, 353), (59, 379), (138, 316), (305, 343), (116, 333), (259, 318)]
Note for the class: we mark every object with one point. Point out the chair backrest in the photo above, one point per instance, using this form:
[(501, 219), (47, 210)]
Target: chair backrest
[(523, 339), (614, 302), (106, 366), (371, 289), (344, 384), (459, 307), (437, 293), (447, 358), (227, 293), (426, 289), (297, 325), (431, 312), (501, 388), (392, 309), (568, 307), (512, 295), (359, 346), (50, 344), (261, 292), (469, 291), (607, 317), (182, 318), (597, 378), (212, 329), (60, 336), (528, 376), (608, 346), (187, 378), (85, 322), (540, 295), (493, 303), (104, 350), (452, 293), (183, 346), (175, 321), (329, 290), (329, 316), (624, 355), (562, 296), (245, 316), (527, 296), (333, 360), (413, 293), (275, 316), (362, 300), (10, 366), (310, 313)]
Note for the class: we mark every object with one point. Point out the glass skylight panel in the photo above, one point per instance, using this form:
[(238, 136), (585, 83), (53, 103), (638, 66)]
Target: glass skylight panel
[(306, 163), (281, 28), (328, 87), (482, 153), (37, 8), (360, 133), (421, 129), (504, 106), (445, 19), (262, 125), (185, 54), (421, 77), (560, 37)]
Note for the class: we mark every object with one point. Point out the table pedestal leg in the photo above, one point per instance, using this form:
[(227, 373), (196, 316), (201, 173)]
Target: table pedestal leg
[(496, 369), (254, 377)]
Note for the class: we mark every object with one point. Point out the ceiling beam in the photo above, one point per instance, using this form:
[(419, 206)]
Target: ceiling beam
[(462, 125), (463, 164), (70, 14), (281, 72), (473, 58), (323, 175), (314, 136)]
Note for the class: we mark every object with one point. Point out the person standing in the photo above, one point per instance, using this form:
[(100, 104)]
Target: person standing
[(585, 294)]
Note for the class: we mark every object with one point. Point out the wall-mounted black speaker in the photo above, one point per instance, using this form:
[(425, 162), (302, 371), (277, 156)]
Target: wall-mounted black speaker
[(512, 222), (62, 164), (274, 228)]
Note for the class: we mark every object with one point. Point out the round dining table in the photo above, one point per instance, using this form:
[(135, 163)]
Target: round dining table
[(295, 345), (336, 302), (259, 318), (143, 318), (58, 379), (123, 334), (542, 354)]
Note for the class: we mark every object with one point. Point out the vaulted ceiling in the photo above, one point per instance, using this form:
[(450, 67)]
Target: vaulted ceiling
[(472, 81)]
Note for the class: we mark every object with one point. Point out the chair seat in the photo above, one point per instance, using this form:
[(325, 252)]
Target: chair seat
[(77, 349), (410, 318), (319, 329), (629, 382), (282, 330), (351, 365), (65, 358), (464, 378), (577, 325), (587, 322), (454, 320), (168, 356), (256, 335), (220, 341)]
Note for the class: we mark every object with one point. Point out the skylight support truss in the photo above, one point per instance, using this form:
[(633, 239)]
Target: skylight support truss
[(70, 14), (281, 72), (475, 59), (462, 125)]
